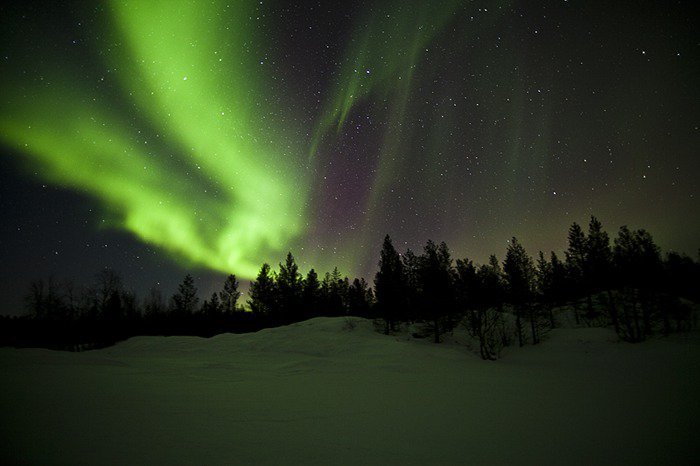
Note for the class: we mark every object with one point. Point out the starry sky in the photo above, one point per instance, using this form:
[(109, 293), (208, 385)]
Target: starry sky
[(165, 137)]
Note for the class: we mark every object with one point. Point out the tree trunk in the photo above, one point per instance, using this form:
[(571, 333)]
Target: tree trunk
[(646, 313), (635, 315), (533, 328), (519, 326), (550, 309), (666, 308), (613, 312), (589, 310)]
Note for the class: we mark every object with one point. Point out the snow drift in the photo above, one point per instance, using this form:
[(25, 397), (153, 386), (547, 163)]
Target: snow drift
[(325, 392)]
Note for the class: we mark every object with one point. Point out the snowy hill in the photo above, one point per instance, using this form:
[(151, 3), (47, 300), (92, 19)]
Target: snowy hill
[(319, 392)]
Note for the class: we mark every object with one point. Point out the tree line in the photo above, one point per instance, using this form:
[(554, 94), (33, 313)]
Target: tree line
[(624, 283)]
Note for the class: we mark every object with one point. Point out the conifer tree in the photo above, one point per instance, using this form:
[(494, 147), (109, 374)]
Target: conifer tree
[(597, 264), (519, 271), (212, 307), (480, 297), (638, 268), (311, 295), (489, 325), (263, 299), (390, 286), (228, 297), (544, 274), (289, 289), (575, 257), (334, 290), (559, 279), (492, 284), (436, 274), (184, 302), (466, 284), (359, 298), (412, 285)]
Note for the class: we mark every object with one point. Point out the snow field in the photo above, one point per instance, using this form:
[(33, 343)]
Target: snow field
[(318, 392)]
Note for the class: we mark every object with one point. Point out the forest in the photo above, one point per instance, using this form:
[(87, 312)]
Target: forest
[(626, 284)]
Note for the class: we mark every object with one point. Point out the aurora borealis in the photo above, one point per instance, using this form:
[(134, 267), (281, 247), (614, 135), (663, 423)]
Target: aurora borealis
[(219, 135), (217, 190)]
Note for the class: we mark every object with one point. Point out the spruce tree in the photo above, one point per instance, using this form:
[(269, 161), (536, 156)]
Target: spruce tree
[(228, 297), (390, 286), (436, 275), (359, 298), (335, 288), (519, 271), (575, 263), (597, 263), (263, 299), (544, 275), (559, 279), (311, 295), (466, 284), (638, 268), (479, 294), (413, 287), (289, 289), (492, 282), (488, 323), (184, 302), (212, 307)]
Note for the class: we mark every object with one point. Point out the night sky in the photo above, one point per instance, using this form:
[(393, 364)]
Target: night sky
[(165, 137)]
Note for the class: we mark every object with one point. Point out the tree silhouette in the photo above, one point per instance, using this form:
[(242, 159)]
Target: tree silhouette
[(638, 270), (212, 307), (436, 272), (311, 295), (466, 284), (289, 289), (113, 307), (643, 295), (228, 297), (389, 286), (154, 304), (334, 293), (184, 302), (575, 263), (519, 271), (359, 298), (107, 290), (43, 300), (597, 263), (559, 279), (412, 284), (545, 283), (480, 296), (492, 285), (263, 299), (681, 279)]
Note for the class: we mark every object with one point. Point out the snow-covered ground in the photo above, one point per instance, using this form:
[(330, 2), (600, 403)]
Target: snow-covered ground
[(320, 393)]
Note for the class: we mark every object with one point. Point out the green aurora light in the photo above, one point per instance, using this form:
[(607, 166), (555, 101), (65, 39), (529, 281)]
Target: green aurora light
[(211, 186)]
